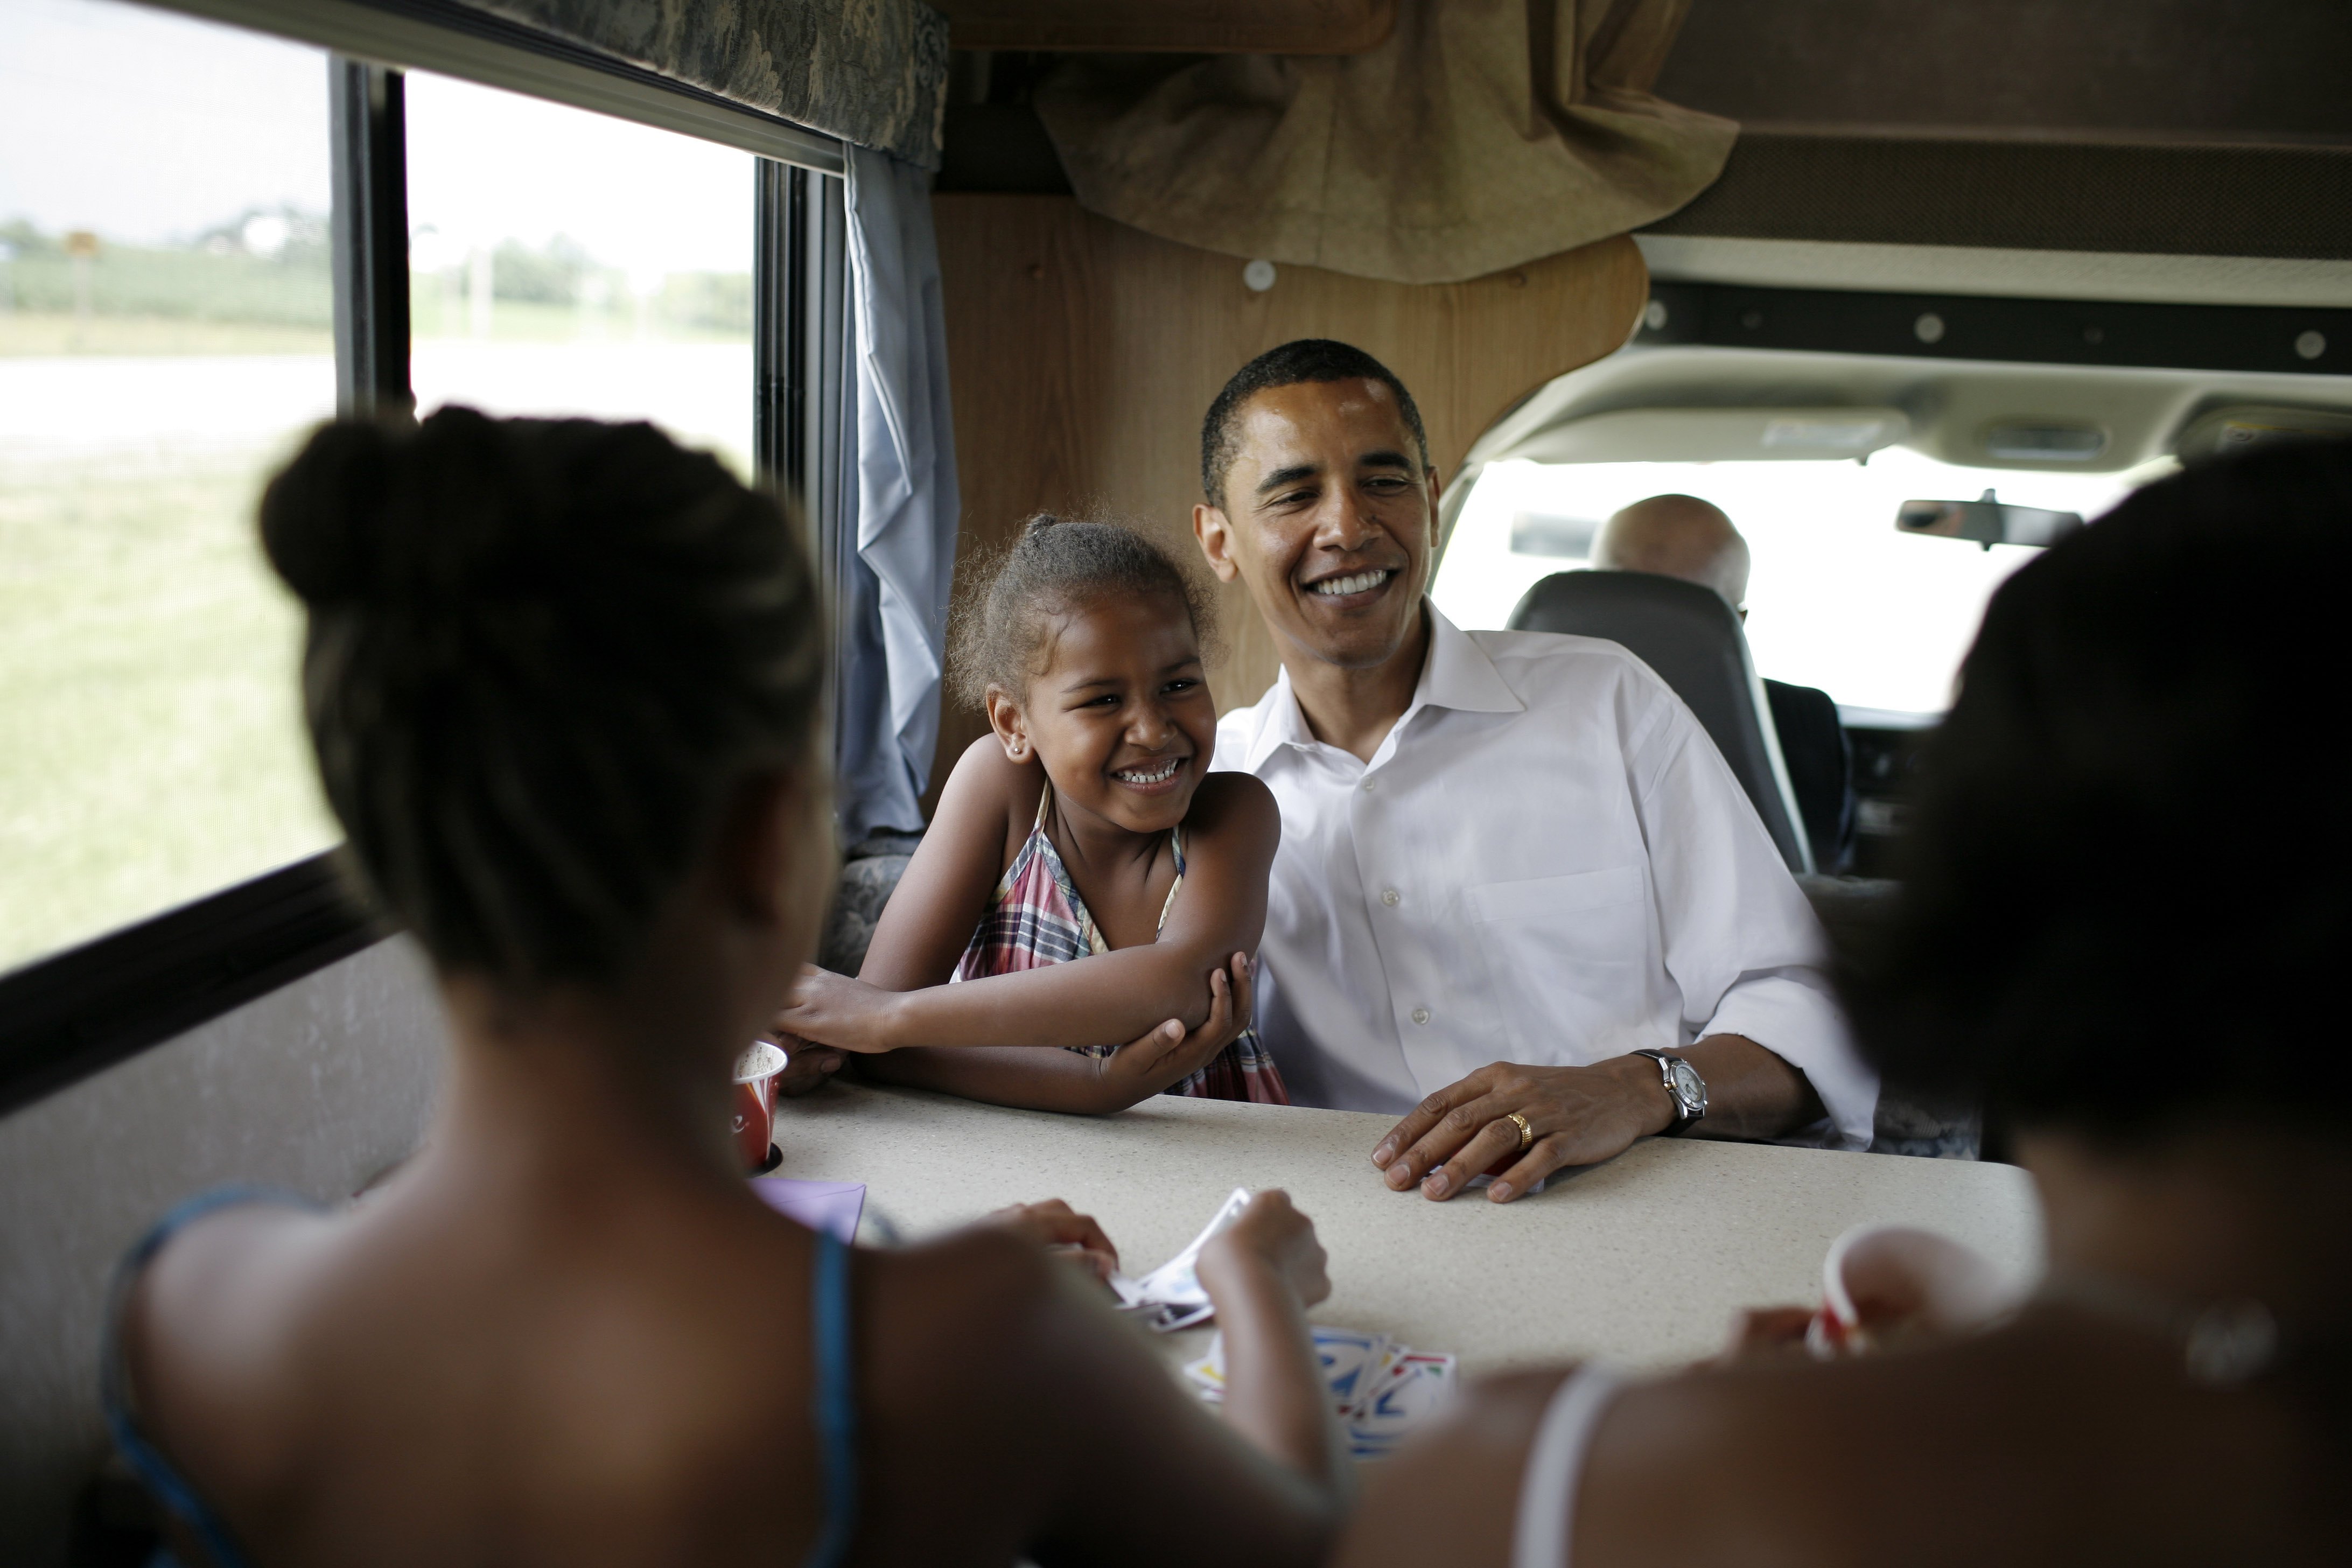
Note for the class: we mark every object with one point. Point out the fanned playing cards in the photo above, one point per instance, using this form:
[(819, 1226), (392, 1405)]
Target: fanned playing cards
[(1170, 1296)]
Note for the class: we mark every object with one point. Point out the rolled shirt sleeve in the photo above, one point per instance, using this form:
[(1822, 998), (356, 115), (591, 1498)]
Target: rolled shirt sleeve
[(1740, 940)]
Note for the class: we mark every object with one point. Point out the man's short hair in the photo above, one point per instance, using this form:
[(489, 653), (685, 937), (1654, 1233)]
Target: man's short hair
[(1302, 359)]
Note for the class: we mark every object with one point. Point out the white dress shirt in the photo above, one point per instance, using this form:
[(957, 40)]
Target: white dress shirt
[(1546, 862)]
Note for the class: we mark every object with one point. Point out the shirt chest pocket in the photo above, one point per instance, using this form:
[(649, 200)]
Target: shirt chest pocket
[(1569, 959)]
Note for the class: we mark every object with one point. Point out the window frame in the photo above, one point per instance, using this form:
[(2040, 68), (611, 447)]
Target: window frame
[(76, 1011)]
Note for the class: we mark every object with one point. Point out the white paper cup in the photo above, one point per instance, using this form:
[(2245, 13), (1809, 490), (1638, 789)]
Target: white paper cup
[(1883, 1284)]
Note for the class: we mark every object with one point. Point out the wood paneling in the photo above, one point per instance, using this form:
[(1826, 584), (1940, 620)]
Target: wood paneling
[(1189, 27), (1083, 355)]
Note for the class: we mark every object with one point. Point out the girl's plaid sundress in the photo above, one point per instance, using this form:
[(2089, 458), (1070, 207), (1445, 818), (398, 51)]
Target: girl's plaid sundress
[(1037, 918)]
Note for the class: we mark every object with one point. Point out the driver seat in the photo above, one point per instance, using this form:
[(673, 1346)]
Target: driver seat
[(1692, 640)]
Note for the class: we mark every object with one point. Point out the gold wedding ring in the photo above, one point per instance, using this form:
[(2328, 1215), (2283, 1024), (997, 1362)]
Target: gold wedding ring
[(1526, 1132)]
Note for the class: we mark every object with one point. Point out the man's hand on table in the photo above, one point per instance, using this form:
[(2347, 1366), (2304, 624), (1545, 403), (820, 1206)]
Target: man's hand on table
[(1582, 1115)]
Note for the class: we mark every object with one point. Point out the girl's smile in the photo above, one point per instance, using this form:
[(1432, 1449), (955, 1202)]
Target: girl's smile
[(1152, 778)]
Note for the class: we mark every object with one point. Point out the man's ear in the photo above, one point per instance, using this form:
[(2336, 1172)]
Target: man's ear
[(1215, 532), (1012, 729), (1436, 484)]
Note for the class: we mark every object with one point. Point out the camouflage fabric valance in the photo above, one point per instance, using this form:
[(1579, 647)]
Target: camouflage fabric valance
[(872, 72)]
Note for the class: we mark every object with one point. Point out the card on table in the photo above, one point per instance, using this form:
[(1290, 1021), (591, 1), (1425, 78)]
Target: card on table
[(1351, 1360), (1411, 1389), (831, 1207), (1380, 1391)]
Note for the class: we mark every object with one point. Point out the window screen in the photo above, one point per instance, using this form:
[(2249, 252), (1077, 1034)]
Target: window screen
[(165, 319)]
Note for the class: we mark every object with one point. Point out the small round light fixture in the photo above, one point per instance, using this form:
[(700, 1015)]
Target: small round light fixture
[(2310, 345), (1259, 275), (1654, 315), (1929, 328)]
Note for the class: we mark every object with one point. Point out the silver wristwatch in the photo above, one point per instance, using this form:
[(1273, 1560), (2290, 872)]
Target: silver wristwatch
[(1684, 1086)]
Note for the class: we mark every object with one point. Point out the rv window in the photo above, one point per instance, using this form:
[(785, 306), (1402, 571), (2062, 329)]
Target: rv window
[(1836, 598), (561, 262), (165, 336)]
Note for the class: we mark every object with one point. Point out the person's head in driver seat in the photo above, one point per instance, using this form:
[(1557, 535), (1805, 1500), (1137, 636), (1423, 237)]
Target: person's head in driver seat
[(1677, 536)]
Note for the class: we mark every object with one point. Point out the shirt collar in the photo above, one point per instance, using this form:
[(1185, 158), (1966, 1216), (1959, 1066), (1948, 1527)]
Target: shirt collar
[(1457, 674)]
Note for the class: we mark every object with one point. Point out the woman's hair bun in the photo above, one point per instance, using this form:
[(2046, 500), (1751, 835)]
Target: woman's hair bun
[(321, 516), (428, 517), (541, 652)]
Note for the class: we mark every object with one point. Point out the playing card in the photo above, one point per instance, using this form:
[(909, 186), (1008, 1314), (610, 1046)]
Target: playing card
[(1354, 1364), (1413, 1388), (1351, 1360), (1170, 1297), (1207, 1375)]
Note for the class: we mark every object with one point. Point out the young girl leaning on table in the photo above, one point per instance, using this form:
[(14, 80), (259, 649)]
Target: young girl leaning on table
[(1087, 824)]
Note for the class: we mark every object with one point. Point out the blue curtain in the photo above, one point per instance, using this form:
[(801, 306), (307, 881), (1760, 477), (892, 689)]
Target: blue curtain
[(893, 599)]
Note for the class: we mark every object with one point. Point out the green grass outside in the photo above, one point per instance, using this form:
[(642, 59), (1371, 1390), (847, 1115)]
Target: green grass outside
[(133, 280), (25, 334), (152, 750)]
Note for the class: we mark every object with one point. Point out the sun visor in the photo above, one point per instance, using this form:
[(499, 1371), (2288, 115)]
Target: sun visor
[(2225, 431), (1715, 436)]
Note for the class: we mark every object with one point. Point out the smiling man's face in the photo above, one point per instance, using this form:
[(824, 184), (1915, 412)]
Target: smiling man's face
[(1330, 518)]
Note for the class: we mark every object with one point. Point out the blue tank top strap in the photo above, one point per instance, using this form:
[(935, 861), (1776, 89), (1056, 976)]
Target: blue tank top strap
[(157, 1473), (835, 1400)]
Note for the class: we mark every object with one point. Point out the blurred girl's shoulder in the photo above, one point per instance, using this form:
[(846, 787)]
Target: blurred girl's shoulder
[(1238, 801)]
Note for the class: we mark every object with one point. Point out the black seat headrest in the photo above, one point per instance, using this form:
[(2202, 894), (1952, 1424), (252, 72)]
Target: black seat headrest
[(1693, 641)]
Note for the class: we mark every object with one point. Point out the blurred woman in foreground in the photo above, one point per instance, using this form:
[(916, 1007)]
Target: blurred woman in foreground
[(2125, 919), (563, 681)]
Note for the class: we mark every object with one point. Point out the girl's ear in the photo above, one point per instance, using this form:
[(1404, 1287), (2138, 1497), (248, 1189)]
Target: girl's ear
[(1012, 729)]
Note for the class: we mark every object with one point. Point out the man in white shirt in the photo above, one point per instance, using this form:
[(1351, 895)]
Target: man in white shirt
[(1511, 861)]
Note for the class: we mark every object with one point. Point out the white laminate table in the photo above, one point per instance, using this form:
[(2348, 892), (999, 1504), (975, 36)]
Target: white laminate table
[(1640, 1261)]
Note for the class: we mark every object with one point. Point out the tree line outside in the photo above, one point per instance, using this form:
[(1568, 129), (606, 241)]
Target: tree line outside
[(261, 283)]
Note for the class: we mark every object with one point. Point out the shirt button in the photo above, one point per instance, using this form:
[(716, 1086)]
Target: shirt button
[(1367, 786), (1420, 1014), (1388, 896)]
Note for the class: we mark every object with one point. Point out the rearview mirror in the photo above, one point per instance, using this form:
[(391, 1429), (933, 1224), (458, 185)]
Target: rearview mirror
[(1987, 521)]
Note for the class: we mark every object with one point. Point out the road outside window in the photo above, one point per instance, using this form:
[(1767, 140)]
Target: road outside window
[(165, 338), (1837, 599)]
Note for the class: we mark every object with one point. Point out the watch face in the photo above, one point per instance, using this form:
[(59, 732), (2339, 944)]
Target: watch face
[(1689, 1087)]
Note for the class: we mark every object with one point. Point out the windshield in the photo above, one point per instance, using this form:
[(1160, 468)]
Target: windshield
[(1836, 598)]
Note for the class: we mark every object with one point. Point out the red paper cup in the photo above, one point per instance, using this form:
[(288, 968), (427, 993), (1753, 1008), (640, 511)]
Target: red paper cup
[(755, 1101)]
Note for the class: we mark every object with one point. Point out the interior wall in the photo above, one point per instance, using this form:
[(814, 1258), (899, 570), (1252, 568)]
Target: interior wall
[(2181, 68), (1083, 354), (315, 1088)]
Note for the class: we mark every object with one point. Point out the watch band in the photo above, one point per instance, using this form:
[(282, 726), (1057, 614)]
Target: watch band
[(1685, 1113)]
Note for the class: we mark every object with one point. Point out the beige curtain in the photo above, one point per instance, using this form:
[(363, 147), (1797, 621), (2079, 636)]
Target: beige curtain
[(1483, 134)]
